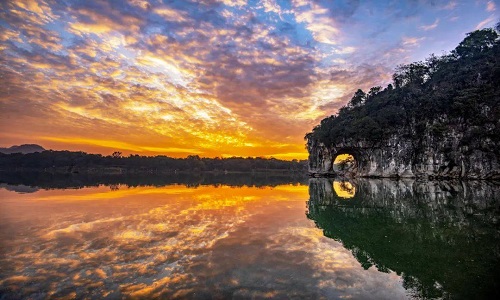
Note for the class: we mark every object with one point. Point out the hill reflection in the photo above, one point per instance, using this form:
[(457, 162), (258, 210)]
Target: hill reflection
[(200, 240), (25, 182), (441, 237)]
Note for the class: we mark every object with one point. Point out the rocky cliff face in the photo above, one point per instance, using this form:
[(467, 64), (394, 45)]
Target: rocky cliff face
[(406, 154)]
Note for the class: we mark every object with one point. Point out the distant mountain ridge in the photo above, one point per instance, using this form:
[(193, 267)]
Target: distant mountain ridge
[(24, 149)]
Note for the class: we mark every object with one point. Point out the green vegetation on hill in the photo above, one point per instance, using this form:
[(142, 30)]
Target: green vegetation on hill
[(460, 89)]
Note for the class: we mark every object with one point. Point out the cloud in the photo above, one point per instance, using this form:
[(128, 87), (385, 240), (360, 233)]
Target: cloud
[(232, 3), (208, 76), (113, 144), (490, 6), (271, 6), (431, 26), (102, 17), (485, 22), (318, 21), (170, 14), (345, 50), (144, 4), (167, 246), (450, 6), (412, 41), (38, 12)]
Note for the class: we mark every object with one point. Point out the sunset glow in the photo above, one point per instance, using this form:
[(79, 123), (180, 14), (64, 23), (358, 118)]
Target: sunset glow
[(208, 77), (149, 241)]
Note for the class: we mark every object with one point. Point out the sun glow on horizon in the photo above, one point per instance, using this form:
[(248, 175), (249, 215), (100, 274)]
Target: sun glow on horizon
[(213, 79)]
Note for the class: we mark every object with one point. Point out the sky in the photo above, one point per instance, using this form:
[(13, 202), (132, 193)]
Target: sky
[(214, 78)]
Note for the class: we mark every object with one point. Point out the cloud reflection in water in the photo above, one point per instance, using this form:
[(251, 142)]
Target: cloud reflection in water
[(175, 242)]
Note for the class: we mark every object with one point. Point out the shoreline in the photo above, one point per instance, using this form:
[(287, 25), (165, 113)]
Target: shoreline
[(397, 177)]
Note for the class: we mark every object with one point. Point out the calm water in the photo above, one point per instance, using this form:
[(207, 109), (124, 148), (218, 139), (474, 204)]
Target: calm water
[(247, 237)]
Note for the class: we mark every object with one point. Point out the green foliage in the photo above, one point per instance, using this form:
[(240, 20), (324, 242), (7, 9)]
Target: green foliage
[(358, 98), (414, 73), (438, 129), (374, 91), (427, 96), (477, 42)]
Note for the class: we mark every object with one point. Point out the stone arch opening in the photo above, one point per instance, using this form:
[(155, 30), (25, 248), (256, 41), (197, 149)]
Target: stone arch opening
[(344, 163)]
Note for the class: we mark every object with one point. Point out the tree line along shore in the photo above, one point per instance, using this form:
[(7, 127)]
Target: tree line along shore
[(81, 162)]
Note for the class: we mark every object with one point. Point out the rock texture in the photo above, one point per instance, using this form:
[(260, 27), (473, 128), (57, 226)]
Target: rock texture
[(406, 155), (450, 201)]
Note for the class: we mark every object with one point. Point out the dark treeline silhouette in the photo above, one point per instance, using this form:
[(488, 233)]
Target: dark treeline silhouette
[(461, 89), (81, 162)]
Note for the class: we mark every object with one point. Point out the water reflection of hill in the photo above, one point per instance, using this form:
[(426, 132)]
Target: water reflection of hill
[(46, 180), (442, 237)]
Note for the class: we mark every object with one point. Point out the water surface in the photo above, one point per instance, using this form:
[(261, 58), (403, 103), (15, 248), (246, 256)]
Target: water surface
[(244, 239)]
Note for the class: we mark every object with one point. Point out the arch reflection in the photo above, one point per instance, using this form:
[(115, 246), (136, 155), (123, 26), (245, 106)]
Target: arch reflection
[(441, 237), (344, 189)]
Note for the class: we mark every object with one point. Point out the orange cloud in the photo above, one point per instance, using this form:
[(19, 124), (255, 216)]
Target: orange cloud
[(212, 77)]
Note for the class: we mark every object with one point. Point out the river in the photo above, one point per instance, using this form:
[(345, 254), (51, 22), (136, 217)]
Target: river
[(248, 238)]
